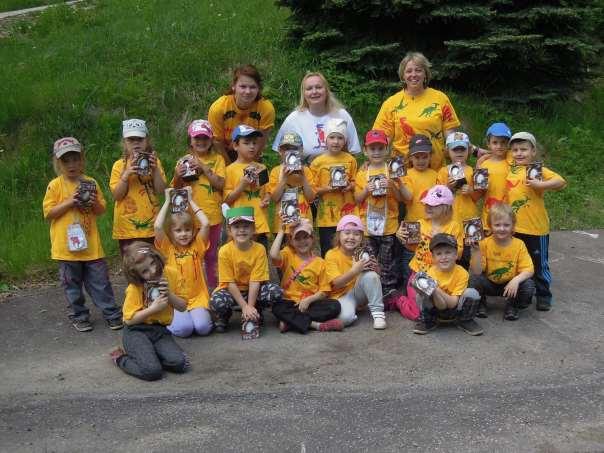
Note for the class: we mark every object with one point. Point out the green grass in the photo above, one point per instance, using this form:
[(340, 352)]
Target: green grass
[(13, 5), (81, 72)]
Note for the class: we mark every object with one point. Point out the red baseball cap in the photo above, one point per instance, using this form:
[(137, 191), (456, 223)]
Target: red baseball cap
[(376, 136)]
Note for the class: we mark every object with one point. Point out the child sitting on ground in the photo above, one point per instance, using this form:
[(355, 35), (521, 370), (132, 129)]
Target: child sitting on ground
[(502, 266), (305, 283), (451, 300)]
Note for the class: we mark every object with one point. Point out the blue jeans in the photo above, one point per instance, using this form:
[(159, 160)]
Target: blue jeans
[(94, 276)]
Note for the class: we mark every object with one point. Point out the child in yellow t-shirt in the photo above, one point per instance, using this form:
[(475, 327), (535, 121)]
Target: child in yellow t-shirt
[(305, 284), (209, 167), (502, 265), (526, 197), (420, 177), (74, 237), (137, 179), (451, 299), (149, 303), (244, 184), (334, 174), (286, 184), (242, 273), (379, 212), (184, 250)]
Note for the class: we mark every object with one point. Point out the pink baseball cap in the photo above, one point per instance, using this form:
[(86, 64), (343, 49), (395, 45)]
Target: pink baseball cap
[(350, 222), (200, 127), (305, 226), (438, 195)]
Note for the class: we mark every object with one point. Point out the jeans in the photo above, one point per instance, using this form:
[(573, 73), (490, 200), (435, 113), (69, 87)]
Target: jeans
[(367, 290), (538, 248), (486, 287)]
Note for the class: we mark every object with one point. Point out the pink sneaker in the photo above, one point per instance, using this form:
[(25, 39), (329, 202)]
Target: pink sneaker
[(333, 325)]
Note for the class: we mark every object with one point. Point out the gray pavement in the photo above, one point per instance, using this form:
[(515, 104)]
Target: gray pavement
[(532, 385)]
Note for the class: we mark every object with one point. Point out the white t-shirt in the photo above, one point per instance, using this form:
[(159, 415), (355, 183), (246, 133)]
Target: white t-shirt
[(311, 129)]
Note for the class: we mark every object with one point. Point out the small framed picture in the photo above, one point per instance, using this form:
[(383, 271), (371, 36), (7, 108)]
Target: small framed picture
[(457, 174), (190, 173), (423, 283), (363, 252), (338, 177), (381, 185), (251, 173), (413, 232), (481, 179), (250, 330), (472, 231), (144, 164), (86, 190), (151, 291), (396, 167), (179, 200), (534, 171), (290, 211), (293, 160)]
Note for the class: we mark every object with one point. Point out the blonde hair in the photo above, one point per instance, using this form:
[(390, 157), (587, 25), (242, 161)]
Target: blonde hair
[(446, 211), (148, 149), (177, 218), (501, 210), (134, 254), (420, 59), (57, 164), (332, 104)]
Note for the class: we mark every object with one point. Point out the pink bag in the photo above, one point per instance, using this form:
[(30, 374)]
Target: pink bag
[(407, 305)]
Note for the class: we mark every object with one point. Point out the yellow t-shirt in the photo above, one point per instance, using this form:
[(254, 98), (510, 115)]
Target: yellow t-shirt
[(431, 114), (386, 205), (498, 172), (58, 190), (293, 182), (501, 264), (422, 260), (204, 195), (133, 215), (134, 301), (454, 282), (337, 263), (250, 197), (333, 205), (188, 262), (311, 280), (418, 182), (463, 206), (528, 203), (224, 116), (241, 266)]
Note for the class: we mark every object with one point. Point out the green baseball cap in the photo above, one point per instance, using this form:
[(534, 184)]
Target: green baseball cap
[(245, 213), (291, 139)]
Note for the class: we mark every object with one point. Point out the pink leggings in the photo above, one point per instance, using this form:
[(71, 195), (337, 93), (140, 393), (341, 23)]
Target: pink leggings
[(211, 257)]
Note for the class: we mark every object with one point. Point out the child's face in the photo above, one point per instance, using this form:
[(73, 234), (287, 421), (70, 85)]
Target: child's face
[(458, 155), (242, 232), (420, 161), (444, 257), (201, 144), (523, 152), (350, 239), (498, 146), (135, 144), (285, 148), (72, 165), (245, 91), (148, 268), (502, 228), (435, 212), (246, 148), (335, 143), (376, 153), (302, 242), (182, 234)]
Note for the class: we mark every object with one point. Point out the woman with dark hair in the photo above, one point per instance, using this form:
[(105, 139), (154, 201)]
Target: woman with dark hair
[(241, 104)]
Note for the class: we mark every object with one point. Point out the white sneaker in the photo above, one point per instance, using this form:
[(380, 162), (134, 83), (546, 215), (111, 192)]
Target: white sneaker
[(379, 323)]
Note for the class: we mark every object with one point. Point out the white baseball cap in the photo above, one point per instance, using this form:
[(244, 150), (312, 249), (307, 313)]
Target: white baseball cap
[(134, 128)]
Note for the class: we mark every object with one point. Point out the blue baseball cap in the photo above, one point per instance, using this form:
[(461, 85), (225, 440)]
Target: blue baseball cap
[(243, 130), (499, 130)]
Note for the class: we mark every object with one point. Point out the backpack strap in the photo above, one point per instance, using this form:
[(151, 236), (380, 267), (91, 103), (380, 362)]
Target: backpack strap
[(298, 271)]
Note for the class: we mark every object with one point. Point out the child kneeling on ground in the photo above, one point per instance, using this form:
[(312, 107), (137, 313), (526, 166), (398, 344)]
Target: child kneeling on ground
[(451, 300)]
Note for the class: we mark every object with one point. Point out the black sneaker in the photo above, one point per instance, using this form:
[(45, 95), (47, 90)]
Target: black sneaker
[(544, 305), (115, 324), (422, 327), (482, 309), (82, 325), (510, 312), (470, 327), (220, 326)]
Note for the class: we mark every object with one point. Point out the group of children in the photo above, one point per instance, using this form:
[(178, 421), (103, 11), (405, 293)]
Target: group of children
[(181, 281)]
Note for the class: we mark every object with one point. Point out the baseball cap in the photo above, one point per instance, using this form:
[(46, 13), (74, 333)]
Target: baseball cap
[(198, 128), (245, 213), (499, 130), (457, 139), (291, 139), (443, 239), (134, 128), (304, 225), (346, 221), (66, 145), (420, 144), (438, 195), (376, 136), (243, 130), (524, 136), (336, 126)]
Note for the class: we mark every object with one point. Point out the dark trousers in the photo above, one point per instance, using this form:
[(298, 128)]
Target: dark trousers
[(486, 287), (320, 311), (326, 235), (94, 276), (464, 261), (406, 257), (385, 251), (538, 248), (150, 348), (222, 302)]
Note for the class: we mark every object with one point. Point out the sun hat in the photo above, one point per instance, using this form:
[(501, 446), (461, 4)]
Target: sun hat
[(376, 136), (419, 144), (245, 213), (347, 220), (66, 145), (336, 126), (526, 136), (243, 130), (134, 128), (198, 128), (438, 195), (443, 239), (458, 140), (499, 130)]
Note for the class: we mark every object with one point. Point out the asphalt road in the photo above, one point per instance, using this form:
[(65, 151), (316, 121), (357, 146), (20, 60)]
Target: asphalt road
[(533, 385)]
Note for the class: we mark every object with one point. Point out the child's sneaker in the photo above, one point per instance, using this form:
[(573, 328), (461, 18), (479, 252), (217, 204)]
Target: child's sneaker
[(510, 312), (379, 322), (422, 327), (482, 309), (333, 325), (283, 326), (220, 326), (543, 304), (82, 325), (470, 327), (115, 324), (116, 354)]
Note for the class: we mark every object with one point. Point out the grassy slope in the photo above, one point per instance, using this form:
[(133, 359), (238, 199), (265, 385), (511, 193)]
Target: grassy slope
[(80, 73)]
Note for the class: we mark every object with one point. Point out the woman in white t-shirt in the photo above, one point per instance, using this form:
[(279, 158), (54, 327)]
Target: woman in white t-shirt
[(317, 106)]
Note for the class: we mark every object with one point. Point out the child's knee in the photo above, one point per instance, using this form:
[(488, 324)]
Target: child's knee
[(151, 372), (182, 331), (202, 322)]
